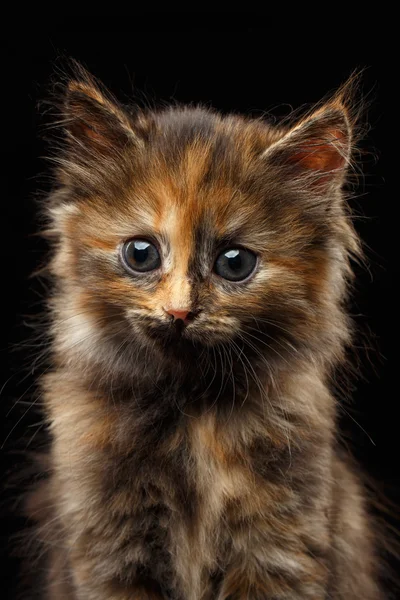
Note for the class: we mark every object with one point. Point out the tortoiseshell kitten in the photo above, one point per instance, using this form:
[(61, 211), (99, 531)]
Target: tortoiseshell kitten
[(201, 264)]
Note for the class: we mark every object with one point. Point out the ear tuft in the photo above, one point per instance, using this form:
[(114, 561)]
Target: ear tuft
[(86, 88)]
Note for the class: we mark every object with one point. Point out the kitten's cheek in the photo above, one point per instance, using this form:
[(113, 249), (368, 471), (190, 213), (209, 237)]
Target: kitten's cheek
[(213, 330), (134, 322)]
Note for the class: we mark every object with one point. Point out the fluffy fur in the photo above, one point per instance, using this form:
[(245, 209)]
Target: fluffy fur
[(199, 463)]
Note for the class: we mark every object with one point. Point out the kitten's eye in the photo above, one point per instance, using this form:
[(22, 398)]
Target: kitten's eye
[(140, 255), (235, 264)]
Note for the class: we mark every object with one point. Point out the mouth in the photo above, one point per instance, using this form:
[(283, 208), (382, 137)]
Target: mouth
[(173, 336)]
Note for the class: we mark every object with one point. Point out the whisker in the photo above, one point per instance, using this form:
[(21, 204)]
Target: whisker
[(254, 375), (232, 375), (245, 334), (238, 352)]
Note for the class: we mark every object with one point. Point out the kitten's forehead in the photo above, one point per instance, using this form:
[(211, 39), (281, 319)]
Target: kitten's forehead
[(188, 185), (200, 184), (201, 218)]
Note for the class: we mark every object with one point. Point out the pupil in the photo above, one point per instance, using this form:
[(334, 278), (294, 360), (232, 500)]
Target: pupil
[(141, 252), (141, 255), (234, 260)]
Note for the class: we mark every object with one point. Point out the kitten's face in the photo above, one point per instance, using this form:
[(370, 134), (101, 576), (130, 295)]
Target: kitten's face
[(197, 232)]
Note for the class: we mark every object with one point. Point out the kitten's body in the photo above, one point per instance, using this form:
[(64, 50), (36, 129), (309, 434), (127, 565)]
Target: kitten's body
[(200, 463)]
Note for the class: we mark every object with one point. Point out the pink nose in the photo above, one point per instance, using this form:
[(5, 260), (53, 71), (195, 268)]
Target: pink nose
[(178, 314)]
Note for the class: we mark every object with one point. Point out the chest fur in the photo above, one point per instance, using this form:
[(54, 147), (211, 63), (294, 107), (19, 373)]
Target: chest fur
[(164, 501), (158, 509)]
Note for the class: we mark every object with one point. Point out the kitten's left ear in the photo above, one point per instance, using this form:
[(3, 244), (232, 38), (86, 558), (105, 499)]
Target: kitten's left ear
[(316, 151)]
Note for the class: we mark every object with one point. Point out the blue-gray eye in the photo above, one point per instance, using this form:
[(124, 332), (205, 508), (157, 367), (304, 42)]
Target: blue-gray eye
[(235, 264), (140, 255)]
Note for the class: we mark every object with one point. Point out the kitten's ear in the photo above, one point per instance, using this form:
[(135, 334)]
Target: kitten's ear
[(316, 151), (98, 131), (93, 120)]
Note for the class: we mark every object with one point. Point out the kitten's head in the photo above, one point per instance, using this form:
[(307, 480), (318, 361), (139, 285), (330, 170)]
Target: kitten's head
[(181, 230)]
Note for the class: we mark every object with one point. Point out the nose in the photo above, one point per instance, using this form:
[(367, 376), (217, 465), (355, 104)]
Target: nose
[(183, 314)]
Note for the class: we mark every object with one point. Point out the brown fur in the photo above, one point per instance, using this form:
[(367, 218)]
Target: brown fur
[(201, 465)]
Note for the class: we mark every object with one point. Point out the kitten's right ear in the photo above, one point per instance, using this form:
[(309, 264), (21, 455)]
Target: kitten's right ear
[(93, 120), (100, 136)]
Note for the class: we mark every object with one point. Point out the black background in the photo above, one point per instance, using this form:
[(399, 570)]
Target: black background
[(237, 67)]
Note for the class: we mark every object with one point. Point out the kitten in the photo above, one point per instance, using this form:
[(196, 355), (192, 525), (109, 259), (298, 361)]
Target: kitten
[(200, 267)]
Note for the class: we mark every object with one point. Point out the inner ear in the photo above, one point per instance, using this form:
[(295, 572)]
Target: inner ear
[(329, 153)]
